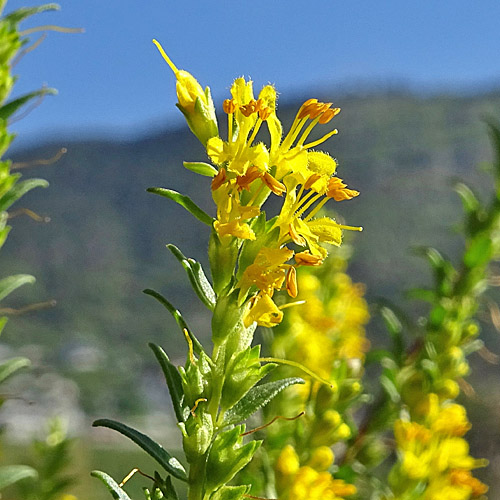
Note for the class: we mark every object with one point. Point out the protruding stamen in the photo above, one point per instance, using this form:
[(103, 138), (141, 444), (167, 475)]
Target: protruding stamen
[(328, 115), (196, 403), (190, 346), (305, 109), (173, 67), (323, 139), (48, 161), (131, 473), (277, 417)]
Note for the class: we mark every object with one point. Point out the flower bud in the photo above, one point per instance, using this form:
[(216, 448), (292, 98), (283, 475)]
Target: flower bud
[(195, 104)]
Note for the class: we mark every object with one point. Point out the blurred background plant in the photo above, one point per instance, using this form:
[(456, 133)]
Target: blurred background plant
[(41, 480)]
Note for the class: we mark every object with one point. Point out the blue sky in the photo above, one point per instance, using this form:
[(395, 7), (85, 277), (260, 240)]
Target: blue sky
[(111, 78)]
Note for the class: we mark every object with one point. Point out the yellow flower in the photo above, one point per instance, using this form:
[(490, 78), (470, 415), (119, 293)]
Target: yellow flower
[(267, 272), (263, 311)]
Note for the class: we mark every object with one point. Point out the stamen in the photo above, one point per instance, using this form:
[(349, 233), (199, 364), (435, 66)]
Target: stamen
[(255, 130), (293, 133), (49, 161), (131, 473), (305, 108), (29, 213), (313, 200), (277, 417), (328, 115), (297, 365), (350, 228), (311, 180), (316, 209), (249, 109), (323, 139), (196, 403), (307, 131), (292, 304), (51, 27), (173, 67), (190, 346)]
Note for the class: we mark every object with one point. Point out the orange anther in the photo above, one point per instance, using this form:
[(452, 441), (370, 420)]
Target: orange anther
[(305, 108), (273, 184), (244, 181), (265, 113), (311, 180), (249, 108), (229, 106), (328, 115), (219, 179)]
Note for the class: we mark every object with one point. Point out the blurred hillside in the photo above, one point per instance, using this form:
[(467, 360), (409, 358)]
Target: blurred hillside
[(106, 239)]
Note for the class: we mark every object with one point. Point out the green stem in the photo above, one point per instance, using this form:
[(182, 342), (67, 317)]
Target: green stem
[(196, 479)]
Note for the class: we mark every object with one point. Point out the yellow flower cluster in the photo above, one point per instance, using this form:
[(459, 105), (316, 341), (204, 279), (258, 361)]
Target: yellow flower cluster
[(311, 481), (434, 452), (329, 328), (247, 172)]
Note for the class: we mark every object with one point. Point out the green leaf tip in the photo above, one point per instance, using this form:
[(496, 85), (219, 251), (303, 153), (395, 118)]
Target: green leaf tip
[(155, 450)]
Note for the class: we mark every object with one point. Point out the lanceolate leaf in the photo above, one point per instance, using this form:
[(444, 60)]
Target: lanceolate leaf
[(167, 461), (184, 201), (201, 168), (198, 348), (9, 284), (111, 484), (11, 474), (11, 366), (174, 383), (18, 190), (197, 277), (7, 110), (256, 398)]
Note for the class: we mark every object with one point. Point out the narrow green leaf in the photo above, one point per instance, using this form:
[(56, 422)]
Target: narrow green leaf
[(257, 397), (197, 347), (7, 110), (201, 168), (174, 383), (11, 366), (111, 484), (9, 284), (167, 461), (183, 201), (494, 130), (197, 277), (18, 15), (11, 474), (390, 388), (18, 190), (470, 202)]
